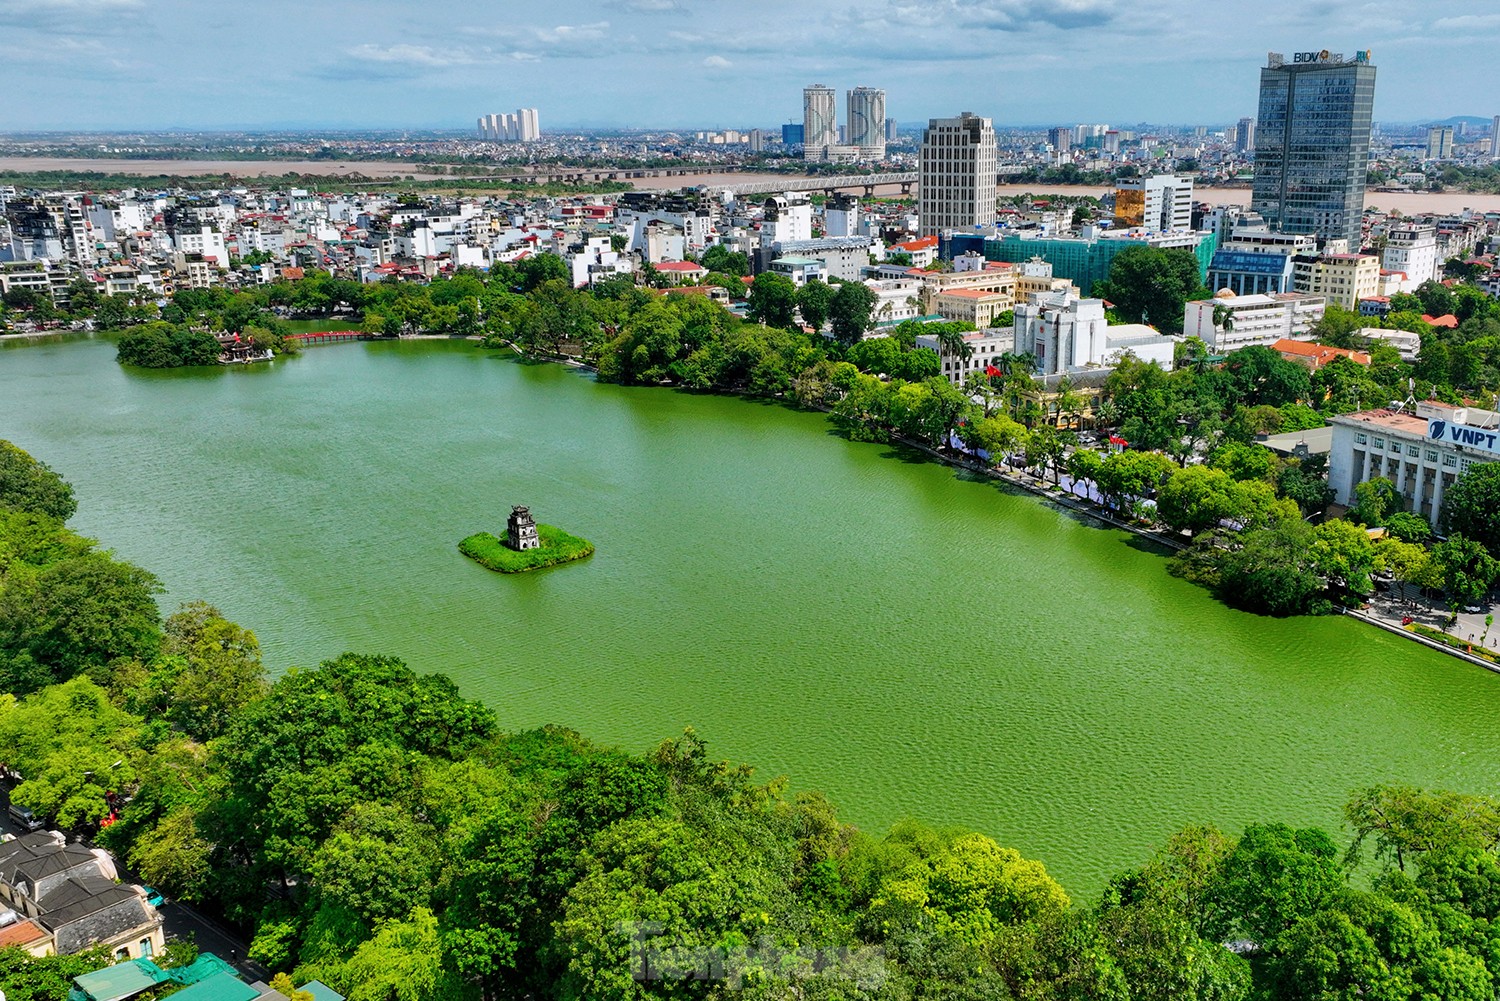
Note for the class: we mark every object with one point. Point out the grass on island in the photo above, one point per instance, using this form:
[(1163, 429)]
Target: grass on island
[(557, 547)]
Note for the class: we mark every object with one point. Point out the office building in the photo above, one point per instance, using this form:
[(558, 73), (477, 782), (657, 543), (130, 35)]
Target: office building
[(1244, 135), (1412, 250), (1160, 204), (866, 108), (841, 215), (1312, 143), (1343, 278), (1423, 451), (1440, 142), (819, 117), (1254, 260), (1495, 137), (956, 175), (791, 135), (1228, 322), (892, 130), (1060, 139)]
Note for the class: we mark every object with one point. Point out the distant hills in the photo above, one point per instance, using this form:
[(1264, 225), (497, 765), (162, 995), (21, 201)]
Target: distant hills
[(1465, 120)]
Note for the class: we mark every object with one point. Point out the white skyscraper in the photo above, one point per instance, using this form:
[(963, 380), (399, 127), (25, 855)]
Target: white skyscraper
[(819, 117), (956, 177), (521, 126), (866, 107)]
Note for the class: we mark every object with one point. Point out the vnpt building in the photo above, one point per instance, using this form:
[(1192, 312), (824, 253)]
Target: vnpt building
[(1422, 453)]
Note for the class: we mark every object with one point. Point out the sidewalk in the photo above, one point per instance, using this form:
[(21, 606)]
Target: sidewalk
[(1390, 609)]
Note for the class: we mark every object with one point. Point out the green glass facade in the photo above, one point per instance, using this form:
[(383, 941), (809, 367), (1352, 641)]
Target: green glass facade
[(1084, 262)]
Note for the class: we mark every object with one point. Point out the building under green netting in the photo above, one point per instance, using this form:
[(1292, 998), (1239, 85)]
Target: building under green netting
[(127, 979), (1083, 261), (208, 978)]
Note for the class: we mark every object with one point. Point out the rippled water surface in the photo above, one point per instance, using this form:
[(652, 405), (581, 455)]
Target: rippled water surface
[(908, 640)]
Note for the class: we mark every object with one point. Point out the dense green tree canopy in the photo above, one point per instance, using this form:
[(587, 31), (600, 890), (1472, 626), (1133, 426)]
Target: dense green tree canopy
[(1471, 506), (1152, 285), (31, 486)]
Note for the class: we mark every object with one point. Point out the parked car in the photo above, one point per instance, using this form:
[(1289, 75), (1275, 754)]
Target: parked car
[(23, 818), (153, 897)]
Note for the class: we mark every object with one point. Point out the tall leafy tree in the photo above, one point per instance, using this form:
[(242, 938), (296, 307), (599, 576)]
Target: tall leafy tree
[(814, 300), (772, 299), (849, 310), (27, 484), (1152, 285), (1471, 507)]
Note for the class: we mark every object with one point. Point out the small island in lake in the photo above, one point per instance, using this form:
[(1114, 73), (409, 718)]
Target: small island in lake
[(526, 546)]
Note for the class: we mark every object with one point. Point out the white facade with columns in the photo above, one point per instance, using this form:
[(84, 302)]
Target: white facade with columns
[(1397, 444)]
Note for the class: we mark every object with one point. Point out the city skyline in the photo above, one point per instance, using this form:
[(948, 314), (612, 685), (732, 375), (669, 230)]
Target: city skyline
[(159, 64)]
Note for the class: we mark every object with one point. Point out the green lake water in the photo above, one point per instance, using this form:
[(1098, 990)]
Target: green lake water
[(911, 641)]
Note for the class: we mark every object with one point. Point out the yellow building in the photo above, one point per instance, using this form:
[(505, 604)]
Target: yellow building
[(999, 281), (973, 305), (1342, 278)]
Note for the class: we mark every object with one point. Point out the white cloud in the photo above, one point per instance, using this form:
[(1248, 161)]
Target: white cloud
[(567, 33), (1468, 22), (72, 17), (717, 63), (411, 55)]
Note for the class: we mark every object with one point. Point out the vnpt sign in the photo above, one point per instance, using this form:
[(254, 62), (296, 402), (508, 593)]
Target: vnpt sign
[(1462, 434)]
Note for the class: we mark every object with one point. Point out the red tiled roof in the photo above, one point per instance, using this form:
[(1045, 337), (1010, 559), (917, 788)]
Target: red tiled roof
[(24, 933), (1321, 353), (1446, 320), (968, 293), (681, 267)]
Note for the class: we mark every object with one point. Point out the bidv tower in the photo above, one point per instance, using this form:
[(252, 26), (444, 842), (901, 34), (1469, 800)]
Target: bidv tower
[(1312, 143)]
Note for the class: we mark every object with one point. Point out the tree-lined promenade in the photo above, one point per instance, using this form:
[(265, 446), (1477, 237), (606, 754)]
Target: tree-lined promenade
[(374, 829)]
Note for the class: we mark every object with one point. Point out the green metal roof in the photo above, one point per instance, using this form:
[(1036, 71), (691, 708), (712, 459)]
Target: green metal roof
[(321, 991), (219, 987)]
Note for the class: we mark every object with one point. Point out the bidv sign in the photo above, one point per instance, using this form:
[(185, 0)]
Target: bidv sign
[(1318, 57), (1463, 434)]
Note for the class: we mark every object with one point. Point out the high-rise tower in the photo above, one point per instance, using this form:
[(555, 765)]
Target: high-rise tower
[(820, 125), (1312, 143), (956, 176), (1244, 135), (866, 120)]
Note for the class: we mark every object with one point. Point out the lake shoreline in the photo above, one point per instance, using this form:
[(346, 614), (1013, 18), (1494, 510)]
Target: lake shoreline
[(1065, 500)]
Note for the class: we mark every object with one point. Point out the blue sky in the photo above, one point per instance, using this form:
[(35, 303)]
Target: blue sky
[(90, 64)]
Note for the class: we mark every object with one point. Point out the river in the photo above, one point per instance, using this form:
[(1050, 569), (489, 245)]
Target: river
[(910, 640), (1408, 203)]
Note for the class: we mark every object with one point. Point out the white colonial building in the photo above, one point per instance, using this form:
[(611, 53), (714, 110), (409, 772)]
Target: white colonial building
[(985, 348), (1421, 450)]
